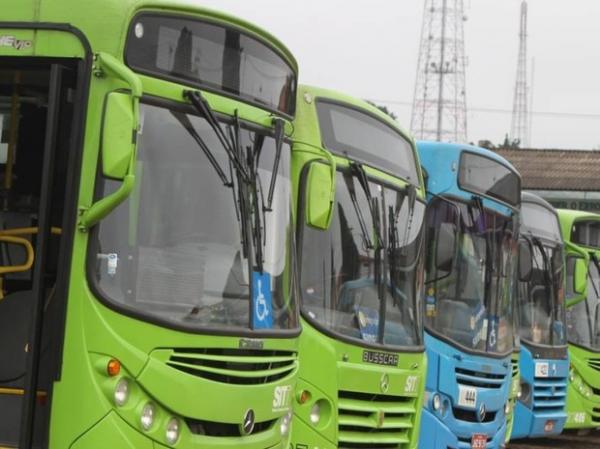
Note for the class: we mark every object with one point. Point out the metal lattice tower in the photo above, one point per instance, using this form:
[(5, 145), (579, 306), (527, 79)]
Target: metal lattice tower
[(520, 126), (439, 109)]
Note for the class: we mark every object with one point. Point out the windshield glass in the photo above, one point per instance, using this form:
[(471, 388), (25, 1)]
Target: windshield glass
[(541, 299), (470, 258), (214, 56), (583, 319), (343, 275), (174, 250)]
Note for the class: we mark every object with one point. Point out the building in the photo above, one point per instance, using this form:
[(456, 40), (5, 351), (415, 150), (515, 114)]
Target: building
[(568, 179)]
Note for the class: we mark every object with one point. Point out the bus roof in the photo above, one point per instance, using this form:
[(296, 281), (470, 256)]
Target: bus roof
[(527, 197), (568, 217), (101, 21)]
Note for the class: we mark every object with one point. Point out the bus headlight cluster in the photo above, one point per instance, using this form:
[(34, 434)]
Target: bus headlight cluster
[(507, 408), (147, 417), (172, 433), (286, 421), (121, 392), (315, 413), (436, 402)]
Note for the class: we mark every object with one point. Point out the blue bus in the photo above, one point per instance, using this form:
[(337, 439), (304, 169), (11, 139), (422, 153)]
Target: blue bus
[(544, 361), (472, 223)]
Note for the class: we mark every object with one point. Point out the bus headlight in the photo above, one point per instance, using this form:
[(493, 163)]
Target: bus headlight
[(436, 402), (121, 392), (315, 413), (172, 433), (147, 418), (507, 408), (286, 420)]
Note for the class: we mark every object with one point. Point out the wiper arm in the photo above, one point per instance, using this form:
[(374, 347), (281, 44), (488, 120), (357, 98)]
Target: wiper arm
[(358, 171), (187, 124), (279, 129), (202, 106), (357, 209)]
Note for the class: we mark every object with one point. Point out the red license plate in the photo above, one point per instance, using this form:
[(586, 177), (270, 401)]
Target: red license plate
[(479, 441), (549, 426)]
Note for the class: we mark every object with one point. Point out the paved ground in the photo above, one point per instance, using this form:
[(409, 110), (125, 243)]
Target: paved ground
[(568, 441)]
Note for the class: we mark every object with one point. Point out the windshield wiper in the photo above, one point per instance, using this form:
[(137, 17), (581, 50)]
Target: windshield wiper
[(358, 171), (548, 282), (202, 107), (349, 179), (278, 134)]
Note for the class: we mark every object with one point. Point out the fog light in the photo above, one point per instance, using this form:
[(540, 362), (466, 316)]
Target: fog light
[(172, 433), (147, 418), (436, 401), (286, 420), (121, 392), (315, 413)]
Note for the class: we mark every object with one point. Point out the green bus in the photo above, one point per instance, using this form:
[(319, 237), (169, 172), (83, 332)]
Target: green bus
[(147, 246), (581, 233), (362, 360)]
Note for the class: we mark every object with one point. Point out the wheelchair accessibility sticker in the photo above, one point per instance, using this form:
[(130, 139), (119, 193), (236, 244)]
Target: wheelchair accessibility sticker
[(262, 302)]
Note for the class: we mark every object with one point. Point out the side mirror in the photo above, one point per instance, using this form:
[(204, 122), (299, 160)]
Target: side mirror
[(525, 261), (580, 276), (320, 195), (445, 250), (118, 135)]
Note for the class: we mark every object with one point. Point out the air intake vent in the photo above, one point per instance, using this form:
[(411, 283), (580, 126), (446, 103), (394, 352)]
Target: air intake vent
[(479, 379), (549, 394), (594, 364), (223, 430), (374, 421), (234, 366)]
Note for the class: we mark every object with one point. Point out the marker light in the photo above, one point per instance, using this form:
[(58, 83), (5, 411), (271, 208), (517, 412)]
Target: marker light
[(121, 392), (172, 433), (315, 413), (286, 420), (304, 397), (436, 401), (113, 367), (147, 418)]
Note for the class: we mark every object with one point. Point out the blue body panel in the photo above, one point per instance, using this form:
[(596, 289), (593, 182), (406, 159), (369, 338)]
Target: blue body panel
[(450, 369), (454, 425), (547, 399)]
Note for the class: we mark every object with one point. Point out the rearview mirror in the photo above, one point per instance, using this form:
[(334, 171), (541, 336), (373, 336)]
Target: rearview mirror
[(525, 261), (445, 249), (320, 195), (118, 135), (580, 276)]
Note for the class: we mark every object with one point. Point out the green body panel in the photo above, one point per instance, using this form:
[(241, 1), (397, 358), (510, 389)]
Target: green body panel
[(328, 365), (514, 392), (583, 392), (83, 412)]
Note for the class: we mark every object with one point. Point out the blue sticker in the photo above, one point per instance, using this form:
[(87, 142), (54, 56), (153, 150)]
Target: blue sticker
[(262, 301), (368, 323)]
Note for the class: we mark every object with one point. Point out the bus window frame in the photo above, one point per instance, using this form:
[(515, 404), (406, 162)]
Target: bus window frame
[(463, 152), (204, 87)]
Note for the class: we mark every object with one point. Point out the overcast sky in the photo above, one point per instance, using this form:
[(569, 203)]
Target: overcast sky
[(369, 48)]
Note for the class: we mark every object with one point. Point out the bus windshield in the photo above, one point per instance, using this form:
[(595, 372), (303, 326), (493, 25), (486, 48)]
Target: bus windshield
[(181, 250), (355, 288), (583, 319), (468, 295), (541, 301)]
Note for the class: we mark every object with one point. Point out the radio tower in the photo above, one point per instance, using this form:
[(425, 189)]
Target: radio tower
[(439, 109), (519, 129)]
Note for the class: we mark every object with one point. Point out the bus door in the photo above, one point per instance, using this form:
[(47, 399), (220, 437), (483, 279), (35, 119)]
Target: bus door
[(38, 99)]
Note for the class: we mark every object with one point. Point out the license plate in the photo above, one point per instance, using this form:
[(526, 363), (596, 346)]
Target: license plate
[(479, 441), (549, 426)]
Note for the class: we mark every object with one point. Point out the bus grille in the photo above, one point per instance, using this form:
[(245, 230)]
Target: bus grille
[(479, 379), (549, 394), (374, 421), (234, 366), (594, 364), (217, 429), (515, 369)]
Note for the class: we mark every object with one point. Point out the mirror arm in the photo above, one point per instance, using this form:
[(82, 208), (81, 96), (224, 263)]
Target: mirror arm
[(104, 62)]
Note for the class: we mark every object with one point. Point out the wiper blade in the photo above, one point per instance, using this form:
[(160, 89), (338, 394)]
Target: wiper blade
[(279, 130), (187, 124), (202, 106), (349, 179)]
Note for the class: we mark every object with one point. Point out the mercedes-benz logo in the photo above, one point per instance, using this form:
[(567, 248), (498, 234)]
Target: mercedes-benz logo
[(384, 383), (248, 423), (482, 412)]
